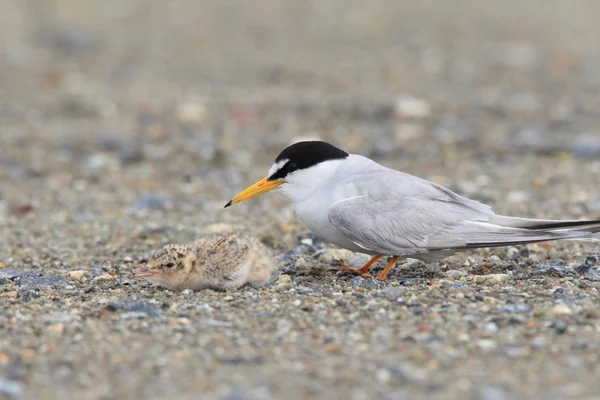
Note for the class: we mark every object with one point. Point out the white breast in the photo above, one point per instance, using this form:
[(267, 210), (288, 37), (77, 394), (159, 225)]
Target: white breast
[(314, 213)]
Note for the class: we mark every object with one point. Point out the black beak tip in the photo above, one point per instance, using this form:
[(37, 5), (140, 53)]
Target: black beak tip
[(228, 204)]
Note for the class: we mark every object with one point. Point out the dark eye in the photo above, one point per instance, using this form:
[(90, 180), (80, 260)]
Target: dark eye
[(291, 166), (169, 265)]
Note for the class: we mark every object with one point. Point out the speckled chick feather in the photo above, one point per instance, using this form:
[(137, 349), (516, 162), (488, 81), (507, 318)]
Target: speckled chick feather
[(222, 261)]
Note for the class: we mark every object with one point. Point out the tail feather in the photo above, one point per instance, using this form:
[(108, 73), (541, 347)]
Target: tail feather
[(589, 226), (509, 231)]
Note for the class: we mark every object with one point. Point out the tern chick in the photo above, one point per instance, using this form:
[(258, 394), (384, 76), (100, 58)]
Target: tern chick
[(222, 261)]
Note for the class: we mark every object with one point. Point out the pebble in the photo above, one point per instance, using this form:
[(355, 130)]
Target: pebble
[(593, 274), (360, 282), (561, 309), (357, 260), (487, 344), (392, 293), (490, 328), (408, 106), (284, 282), (331, 255), (301, 264), (41, 282), (140, 306), (150, 202), (560, 326), (454, 273), (104, 277), (9, 275), (2, 266), (492, 279), (191, 112), (491, 393), (515, 308), (11, 388), (76, 275)]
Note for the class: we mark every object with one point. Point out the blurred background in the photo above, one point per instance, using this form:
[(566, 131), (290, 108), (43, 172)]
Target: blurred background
[(114, 107), (126, 125)]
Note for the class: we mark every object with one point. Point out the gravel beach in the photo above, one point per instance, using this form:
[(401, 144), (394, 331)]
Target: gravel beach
[(127, 125)]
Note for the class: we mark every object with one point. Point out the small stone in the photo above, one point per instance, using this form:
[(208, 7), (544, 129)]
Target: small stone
[(358, 260), (10, 275), (191, 112), (560, 326), (28, 294), (455, 273), (331, 255), (593, 274), (513, 253), (104, 277), (487, 344), (57, 328), (150, 202), (41, 282), (494, 279), (491, 393), (133, 315), (76, 275), (284, 282), (491, 328), (360, 282), (307, 241), (301, 264), (135, 306), (392, 293), (131, 152), (2, 266), (408, 106), (561, 309), (515, 308), (335, 348), (11, 388)]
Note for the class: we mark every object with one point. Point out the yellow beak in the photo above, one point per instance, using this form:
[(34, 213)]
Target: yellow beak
[(260, 187)]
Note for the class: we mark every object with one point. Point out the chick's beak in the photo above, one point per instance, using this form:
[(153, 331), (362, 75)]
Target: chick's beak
[(146, 273), (260, 187)]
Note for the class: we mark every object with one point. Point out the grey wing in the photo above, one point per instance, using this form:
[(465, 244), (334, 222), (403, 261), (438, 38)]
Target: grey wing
[(411, 216)]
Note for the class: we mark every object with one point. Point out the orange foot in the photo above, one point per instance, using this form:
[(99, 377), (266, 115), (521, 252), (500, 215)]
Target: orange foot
[(360, 271), (391, 263)]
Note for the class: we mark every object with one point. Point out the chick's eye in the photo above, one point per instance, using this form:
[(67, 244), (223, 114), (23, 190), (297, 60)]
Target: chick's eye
[(169, 265)]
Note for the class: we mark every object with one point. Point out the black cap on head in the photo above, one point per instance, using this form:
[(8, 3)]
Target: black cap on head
[(304, 155)]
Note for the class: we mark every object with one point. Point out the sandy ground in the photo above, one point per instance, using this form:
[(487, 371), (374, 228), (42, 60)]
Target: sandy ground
[(127, 125)]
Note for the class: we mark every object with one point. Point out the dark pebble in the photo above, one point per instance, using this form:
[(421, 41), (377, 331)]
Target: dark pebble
[(593, 274), (131, 152), (8, 275), (560, 271), (136, 306), (26, 295), (560, 326), (413, 281), (46, 281)]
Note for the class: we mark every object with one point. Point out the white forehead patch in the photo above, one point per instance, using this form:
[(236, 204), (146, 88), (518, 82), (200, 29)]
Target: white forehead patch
[(277, 166)]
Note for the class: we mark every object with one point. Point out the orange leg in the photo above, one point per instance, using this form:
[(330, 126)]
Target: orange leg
[(362, 270), (391, 263)]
